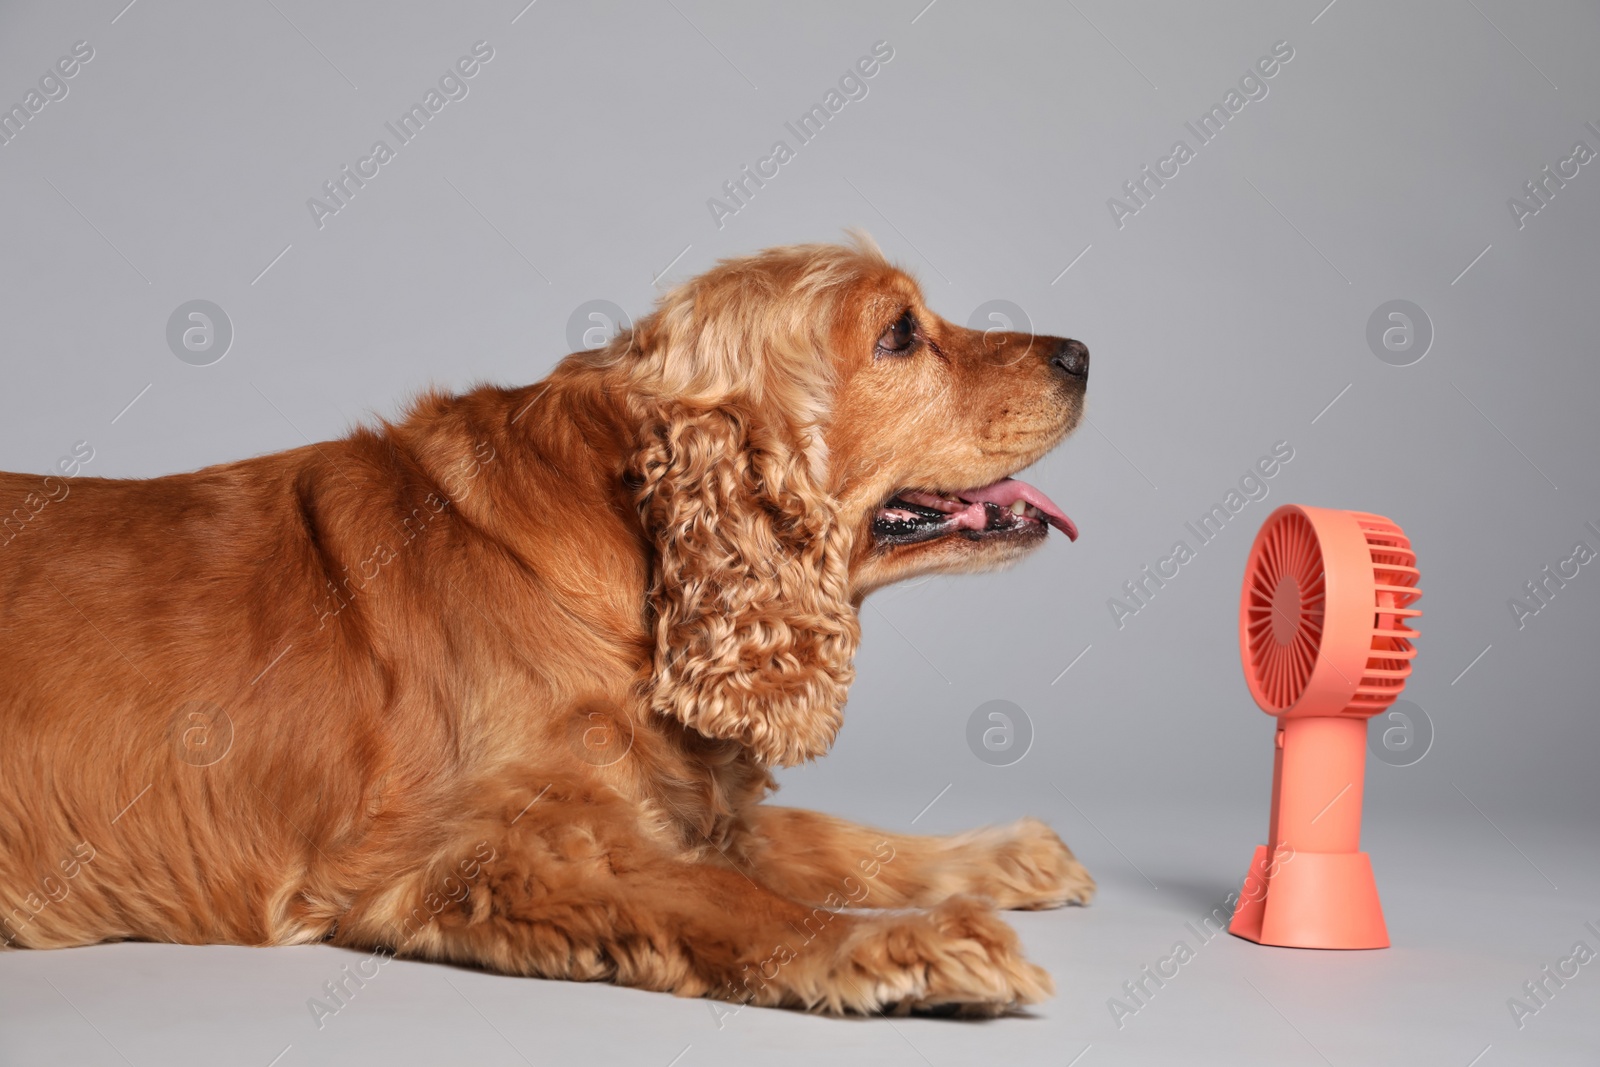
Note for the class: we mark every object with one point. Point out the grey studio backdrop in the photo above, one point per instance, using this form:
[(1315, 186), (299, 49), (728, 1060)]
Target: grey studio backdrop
[(1239, 300)]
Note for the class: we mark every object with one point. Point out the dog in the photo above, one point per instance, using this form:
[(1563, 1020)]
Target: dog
[(503, 682)]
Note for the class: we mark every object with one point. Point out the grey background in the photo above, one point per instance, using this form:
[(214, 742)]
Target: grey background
[(1224, 317)]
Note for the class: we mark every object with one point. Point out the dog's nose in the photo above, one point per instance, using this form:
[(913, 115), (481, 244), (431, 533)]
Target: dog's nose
[(1071, 360)]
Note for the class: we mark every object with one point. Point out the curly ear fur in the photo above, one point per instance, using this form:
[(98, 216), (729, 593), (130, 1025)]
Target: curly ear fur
[(754, 629), (729, 382)]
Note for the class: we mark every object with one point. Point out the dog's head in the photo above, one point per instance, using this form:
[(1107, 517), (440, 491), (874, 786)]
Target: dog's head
[(810, 431)]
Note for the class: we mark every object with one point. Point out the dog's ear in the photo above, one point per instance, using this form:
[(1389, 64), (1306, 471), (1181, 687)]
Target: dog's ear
[(754, 630)]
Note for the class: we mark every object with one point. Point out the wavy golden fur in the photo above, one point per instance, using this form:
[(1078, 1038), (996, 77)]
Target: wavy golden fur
[(501, 682)]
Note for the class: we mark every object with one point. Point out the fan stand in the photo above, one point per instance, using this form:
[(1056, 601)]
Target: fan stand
[(1311, 886)]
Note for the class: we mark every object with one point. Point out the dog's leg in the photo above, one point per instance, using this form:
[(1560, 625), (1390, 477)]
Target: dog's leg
[(576, 890), (806, 856)]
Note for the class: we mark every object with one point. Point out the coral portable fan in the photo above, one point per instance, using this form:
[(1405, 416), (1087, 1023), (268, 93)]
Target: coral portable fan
[(1325, 636)]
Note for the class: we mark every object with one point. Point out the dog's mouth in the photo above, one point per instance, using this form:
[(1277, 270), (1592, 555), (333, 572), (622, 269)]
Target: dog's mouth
[(1005, 509)]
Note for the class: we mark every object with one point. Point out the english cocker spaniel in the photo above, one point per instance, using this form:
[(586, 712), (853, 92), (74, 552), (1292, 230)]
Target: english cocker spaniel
[(502, 682)]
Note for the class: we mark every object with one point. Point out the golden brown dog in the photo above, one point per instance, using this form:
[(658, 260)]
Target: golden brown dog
[(501, 683)]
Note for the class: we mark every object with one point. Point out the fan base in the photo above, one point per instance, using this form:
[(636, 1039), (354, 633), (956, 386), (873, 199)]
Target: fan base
[(1311, 900)]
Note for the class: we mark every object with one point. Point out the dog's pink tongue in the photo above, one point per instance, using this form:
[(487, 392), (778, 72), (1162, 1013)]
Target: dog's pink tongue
[(1008, 491)]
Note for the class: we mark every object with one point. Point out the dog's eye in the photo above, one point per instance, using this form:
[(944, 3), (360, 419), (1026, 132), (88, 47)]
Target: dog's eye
[(897, 339)]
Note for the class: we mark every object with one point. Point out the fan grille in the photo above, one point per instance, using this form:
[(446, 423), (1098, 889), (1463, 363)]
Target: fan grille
[(1394, 573), (1286, 607), (1284, 613)]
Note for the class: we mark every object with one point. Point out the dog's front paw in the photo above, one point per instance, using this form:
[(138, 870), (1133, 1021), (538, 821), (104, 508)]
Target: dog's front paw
[(1030, 868), (958, 959)]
